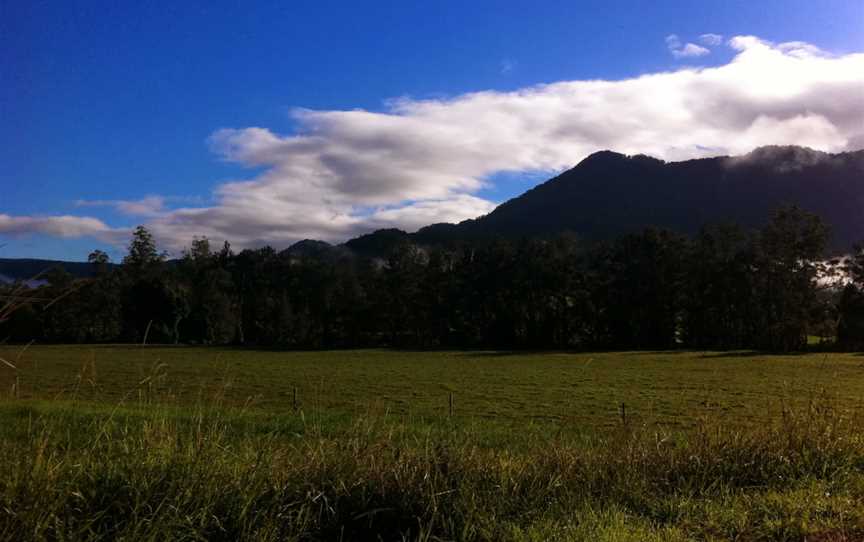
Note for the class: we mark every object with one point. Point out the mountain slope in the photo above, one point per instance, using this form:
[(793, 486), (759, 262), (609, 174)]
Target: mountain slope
[(609, 194)]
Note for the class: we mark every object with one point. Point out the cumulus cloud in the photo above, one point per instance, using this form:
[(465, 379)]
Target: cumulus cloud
[(711, 40), (690, 50), (684, 50), (343, 173)]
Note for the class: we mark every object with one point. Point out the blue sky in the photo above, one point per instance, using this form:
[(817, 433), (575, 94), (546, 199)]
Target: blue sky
[(106, 103)]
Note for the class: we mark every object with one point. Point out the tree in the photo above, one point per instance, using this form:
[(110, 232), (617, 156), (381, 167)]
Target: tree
[(152, 303), (99, 260), (641, 289), (209, 292), (787, 256), (718, 298), (142, 250), (850, 325)]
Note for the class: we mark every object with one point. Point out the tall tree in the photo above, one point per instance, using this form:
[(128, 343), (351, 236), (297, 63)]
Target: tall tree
[(787, 257), (142, 250), (718, 299), (153, 301), (850, 325)]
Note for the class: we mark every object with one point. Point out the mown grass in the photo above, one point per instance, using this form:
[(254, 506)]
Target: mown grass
[(575, 389), (156, 459)]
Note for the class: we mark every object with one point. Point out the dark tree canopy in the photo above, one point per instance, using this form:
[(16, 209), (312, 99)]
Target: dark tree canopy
[(724, 288)]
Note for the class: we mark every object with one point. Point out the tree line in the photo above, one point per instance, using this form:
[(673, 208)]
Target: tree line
[(723, 288)]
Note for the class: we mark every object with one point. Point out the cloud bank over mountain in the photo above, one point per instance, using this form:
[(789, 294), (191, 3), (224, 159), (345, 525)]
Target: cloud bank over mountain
[(343, 173)]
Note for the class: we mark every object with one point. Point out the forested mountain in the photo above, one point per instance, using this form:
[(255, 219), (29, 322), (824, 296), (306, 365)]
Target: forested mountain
[(609, 194)]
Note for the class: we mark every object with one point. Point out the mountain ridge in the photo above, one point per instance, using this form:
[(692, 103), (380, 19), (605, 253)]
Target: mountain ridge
[(609, 194)]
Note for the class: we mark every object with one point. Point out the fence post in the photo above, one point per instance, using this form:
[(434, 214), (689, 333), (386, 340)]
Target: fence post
[(623, 414), (295, 398), (451, 404)]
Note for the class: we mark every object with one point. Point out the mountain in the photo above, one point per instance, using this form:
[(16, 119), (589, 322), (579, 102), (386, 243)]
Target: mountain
[(378, 243), (309, 248), (12, 269), (608, 194)]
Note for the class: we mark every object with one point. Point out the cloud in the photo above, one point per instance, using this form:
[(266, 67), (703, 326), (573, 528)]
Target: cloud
[(145, 207), (711, 40), (423, 213), (685, 50), (343, 173), (690, 50), (59, 226)]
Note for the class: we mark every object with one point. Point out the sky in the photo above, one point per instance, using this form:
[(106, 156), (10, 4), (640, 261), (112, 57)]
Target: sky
[(271, 122)]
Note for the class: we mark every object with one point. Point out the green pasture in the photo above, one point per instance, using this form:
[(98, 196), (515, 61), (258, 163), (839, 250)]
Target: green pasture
[(178, 443), (580, 390)]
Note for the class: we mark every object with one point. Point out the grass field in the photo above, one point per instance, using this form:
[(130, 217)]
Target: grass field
[(581, 390), (160, 443)]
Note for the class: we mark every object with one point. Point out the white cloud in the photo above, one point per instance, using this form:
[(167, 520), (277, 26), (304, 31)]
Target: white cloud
[(684, 50), (423, 213), (690, 50), (422, 161), (58, 226), (711, 39), (145, 207), (801, 49)]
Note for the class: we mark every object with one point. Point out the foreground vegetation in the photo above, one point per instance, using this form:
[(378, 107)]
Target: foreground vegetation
[(189, 444), (219, 476)]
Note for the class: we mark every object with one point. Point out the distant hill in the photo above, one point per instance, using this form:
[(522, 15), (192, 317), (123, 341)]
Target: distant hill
[(12, 269)]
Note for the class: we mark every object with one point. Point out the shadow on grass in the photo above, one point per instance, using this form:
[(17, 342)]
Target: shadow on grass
[(754, 353), (540, 352), (701, 354), (468, 352), (513, 353)]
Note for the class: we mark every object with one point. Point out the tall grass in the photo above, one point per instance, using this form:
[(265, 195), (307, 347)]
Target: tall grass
[(210, 474)]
